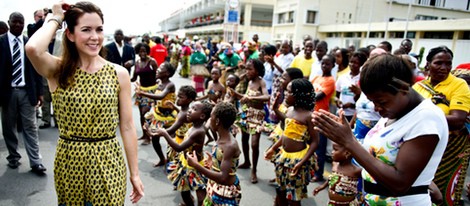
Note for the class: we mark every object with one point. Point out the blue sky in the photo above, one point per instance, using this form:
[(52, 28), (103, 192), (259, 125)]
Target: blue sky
[(132, 16)]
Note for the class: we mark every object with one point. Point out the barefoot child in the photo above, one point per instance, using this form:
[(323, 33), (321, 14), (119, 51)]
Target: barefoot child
[(223, 186), (253, 113), (186, 95), (294, 162), (342, 183), (163, 115), (184, 177), (281, 109)]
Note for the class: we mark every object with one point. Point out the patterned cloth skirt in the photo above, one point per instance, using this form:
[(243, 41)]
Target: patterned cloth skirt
[(294, 186), (452, 170), (223, 195), (183, 176), (275, 136), (170, 152), (251, 120), (142, 101)]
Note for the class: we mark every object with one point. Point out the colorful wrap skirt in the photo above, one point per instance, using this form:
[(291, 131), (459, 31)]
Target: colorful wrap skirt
[(275, 136), (295, 186), (142, 101), (183, 176), (184, 72), (157, 119), (452, 170), (223, 195), (251, 120), (171, 154)]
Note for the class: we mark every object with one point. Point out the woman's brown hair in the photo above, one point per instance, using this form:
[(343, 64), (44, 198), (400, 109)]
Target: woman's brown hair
[(70, 58)]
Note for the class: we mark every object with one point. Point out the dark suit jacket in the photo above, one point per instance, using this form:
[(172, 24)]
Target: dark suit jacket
[(32, 78), (112, 54)]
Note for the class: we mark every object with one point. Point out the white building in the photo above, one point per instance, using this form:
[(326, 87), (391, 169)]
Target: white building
[(205, 18), (362, 22)]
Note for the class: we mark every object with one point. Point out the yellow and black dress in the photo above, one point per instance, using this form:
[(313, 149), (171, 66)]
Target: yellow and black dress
[(218, 194), (89, 167), (183, 176), (295, 186)]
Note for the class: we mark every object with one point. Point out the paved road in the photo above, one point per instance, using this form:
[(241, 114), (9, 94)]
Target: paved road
[(20, 187)]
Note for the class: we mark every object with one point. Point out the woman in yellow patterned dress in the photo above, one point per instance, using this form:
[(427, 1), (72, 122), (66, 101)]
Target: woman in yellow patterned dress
[(91, 96)]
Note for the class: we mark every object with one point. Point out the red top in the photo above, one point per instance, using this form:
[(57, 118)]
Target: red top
[(159, 53)]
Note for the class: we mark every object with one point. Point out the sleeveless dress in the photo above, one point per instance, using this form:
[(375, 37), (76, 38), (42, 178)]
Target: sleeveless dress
[(89, 167), (218, 194)]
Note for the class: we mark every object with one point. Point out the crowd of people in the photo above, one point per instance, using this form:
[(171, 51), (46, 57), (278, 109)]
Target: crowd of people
[(400, 134)]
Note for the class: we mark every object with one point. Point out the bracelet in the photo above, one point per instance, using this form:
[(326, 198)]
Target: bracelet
[(55, 19)]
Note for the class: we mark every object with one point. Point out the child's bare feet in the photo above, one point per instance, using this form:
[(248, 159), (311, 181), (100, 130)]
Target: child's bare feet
[(245, 165), (146, 141), (161, 163), (254, 178)]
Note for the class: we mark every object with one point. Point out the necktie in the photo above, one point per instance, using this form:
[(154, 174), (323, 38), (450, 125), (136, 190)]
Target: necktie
[(17, 63)]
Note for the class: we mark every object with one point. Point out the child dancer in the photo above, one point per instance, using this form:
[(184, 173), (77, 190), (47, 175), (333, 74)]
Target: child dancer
[(216, 91), (344, 179), (186, 95), (164, 115), (223, 186), (253, 113), (281, 109), (231, 83), (294, 162), (184, 177)]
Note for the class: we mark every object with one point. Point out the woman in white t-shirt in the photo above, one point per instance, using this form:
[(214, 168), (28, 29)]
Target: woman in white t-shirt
[(400, 154)]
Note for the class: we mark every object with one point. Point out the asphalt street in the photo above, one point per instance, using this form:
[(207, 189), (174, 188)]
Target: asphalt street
[(21, 187)]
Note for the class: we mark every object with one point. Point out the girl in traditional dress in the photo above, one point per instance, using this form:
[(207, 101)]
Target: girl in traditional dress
[(343, 181), (294, 163), (223, 186), (184, 177), (252, 113)]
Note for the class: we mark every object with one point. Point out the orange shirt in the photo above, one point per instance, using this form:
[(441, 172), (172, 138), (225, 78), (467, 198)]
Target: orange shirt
[(327, 86)]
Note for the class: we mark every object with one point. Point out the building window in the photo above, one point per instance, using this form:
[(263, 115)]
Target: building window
[(466, 35), (352, 34), (425, 17), (311, 16), (411, 35), (332, 35), (376, 34), (439, 35), (397, 34), (285, 17)]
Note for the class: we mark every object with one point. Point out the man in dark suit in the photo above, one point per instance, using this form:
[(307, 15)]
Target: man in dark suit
[(21, 93), (119, 52)]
